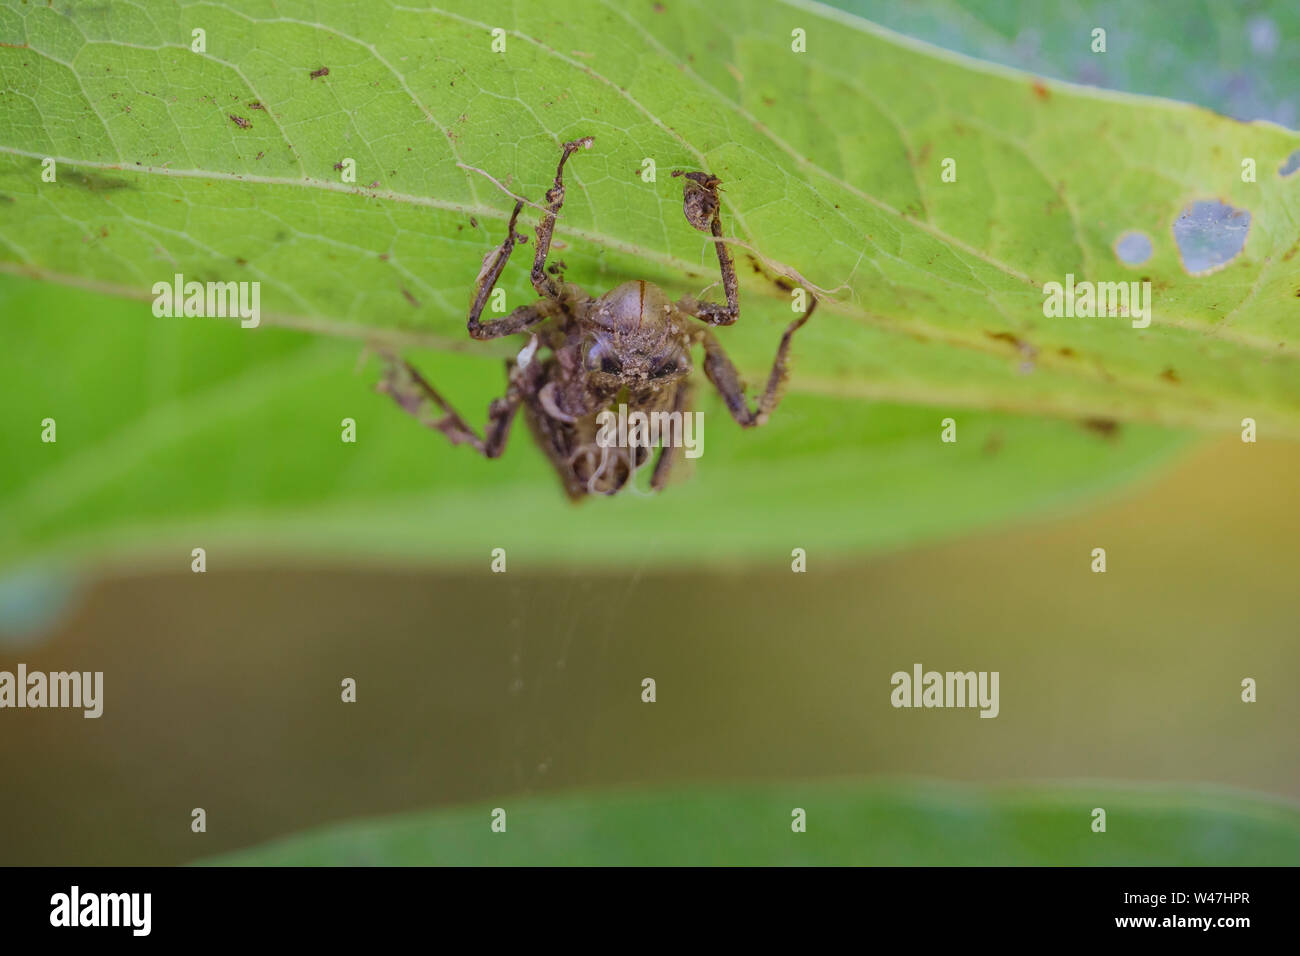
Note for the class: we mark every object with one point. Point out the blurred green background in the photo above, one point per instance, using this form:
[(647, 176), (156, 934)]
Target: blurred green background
[(222, 689)]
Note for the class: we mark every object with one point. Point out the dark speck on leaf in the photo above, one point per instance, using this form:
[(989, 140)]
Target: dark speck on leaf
[(1107, 427), (323, 71), (240, 122), (473, 223), (241, 262), (1169, 375), (255, 105), (410, 298)]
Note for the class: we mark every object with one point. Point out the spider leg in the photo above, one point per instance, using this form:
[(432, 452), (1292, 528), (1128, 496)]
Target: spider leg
[(493, 265), (703, 211), (409, 389), (668, 456), (543, 283), (722, 373)]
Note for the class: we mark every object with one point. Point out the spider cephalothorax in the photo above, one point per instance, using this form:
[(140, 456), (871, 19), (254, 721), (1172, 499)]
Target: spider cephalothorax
[(630, 346)]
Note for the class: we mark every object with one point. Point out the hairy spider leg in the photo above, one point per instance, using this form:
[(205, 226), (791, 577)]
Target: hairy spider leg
[(722, 373), (493, 265), (543, 283), (411, 391), (700, 196), (669, 454)]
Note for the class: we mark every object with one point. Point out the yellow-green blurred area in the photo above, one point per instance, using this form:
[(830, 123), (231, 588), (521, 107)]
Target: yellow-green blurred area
[(222, 692)]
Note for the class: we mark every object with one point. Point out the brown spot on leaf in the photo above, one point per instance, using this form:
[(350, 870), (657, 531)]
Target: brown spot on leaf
[(1041, 91), (410, 298), (1010, 339), (1169, 375), (240, 122), (255, 105), (1106, 427), (323, 71), (95, 183)]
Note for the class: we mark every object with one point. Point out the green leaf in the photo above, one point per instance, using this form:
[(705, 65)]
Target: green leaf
[(830, 159), (174, 434), (172, 429), (848, 823)]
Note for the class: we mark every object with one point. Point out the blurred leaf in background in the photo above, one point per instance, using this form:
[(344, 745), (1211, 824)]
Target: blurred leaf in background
[(1239, 59), (847, 824)]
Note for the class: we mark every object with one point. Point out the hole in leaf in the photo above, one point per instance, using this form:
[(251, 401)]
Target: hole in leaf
[(1291, 165), (1210, 234), (1263, 35), (1133, 248)]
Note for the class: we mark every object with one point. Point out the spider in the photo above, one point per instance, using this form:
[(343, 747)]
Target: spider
[(630, 345)]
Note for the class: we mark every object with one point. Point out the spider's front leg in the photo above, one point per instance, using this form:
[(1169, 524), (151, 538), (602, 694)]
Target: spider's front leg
[(727, 381), (493, 265), (702, 208), (543, 283), (409, 389)]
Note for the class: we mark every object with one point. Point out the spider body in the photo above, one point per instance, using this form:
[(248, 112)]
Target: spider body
[(586, 355)]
